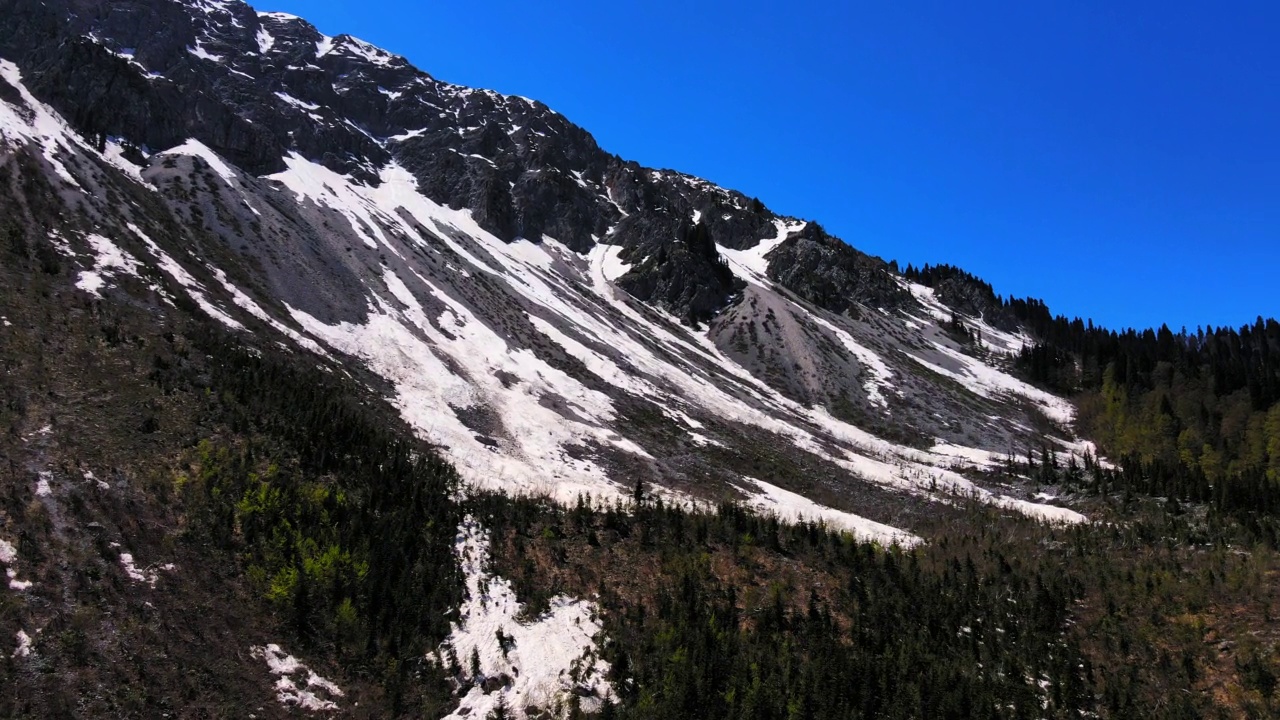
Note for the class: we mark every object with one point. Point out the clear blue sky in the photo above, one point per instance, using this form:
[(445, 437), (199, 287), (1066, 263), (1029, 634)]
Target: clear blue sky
[(1122, 164)]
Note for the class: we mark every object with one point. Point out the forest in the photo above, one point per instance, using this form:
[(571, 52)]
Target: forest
[(344, 530), (1189, 415)]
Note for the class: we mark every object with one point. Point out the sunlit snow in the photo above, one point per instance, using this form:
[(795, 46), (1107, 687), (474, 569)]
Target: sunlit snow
[(541, 660), (24, 645), (296, 684), (791, 507)]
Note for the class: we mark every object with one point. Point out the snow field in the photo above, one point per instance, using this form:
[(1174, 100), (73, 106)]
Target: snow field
[(534, 441), (532, 458), (38, 124), (981, 378), (525, 267)]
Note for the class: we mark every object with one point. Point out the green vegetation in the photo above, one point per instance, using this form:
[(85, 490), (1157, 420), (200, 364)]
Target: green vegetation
[(1193, 416), (342, 522), (728, 615)]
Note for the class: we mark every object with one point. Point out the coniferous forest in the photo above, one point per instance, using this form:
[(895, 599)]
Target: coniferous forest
[(345, 528), (1188, 415)]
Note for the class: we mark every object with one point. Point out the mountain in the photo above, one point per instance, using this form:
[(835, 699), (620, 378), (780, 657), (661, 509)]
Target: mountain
[(249, 220), (535, 302)]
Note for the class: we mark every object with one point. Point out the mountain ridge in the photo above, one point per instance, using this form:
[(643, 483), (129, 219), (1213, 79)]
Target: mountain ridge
[(384, 198)]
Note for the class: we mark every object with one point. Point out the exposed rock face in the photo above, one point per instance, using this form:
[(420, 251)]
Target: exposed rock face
[(977, 299), (687, 274), (255, 87), (832, 275)]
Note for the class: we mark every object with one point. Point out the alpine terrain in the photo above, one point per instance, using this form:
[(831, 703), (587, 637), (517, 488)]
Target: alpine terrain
[(334, 389)]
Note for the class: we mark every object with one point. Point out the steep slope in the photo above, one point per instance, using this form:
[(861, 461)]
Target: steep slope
[(555, 319), (263, 290)]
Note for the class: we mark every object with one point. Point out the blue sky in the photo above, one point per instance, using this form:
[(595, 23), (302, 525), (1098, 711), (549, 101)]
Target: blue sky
[(1122, 164)]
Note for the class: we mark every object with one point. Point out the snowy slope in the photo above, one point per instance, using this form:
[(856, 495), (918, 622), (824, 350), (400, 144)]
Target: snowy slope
[(525, 360)]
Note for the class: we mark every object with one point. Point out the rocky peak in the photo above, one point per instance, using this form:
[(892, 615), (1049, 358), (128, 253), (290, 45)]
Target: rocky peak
[(258, 87)]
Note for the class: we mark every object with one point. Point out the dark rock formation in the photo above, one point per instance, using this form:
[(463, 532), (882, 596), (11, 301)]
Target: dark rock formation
[(257, 86), (832, 275)]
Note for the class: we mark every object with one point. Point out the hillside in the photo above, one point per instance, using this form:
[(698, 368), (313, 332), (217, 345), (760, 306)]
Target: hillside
[(296, 336)]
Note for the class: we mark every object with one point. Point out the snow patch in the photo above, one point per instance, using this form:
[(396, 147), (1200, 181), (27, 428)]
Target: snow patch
[(966, 455), (790, 507), (291, 100), (702, 440), (929, 300), (24, 645), (203, 54), (750, 264), (879, 377), (114, 154), (148, 575), (326, 188), (544, 660), (324, 46), (409, 135), (986, 381), (266, 41), (253, 308), (42, 484), (611, 266), (279, 16), (180, 275), (38, 123), (296, 684), (15, 583), (370, 53), (89, 477), (195, 148), (8, 556), (109, 260)]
